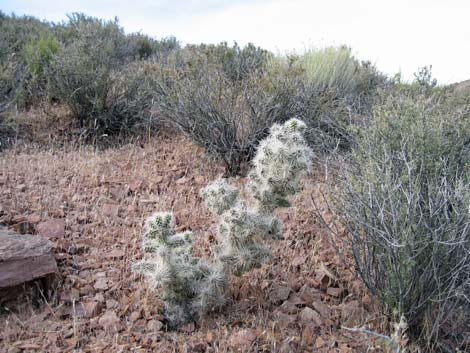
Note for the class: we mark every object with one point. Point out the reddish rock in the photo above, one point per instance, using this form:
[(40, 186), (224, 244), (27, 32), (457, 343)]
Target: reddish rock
[(335, 292), (322, 308), (24, 258), (34, 218), (310, 316), (134, 316), (52, 229), (279, 294), (319, 342), (101, 284), (92, 308), (110, 321), (135, 185)]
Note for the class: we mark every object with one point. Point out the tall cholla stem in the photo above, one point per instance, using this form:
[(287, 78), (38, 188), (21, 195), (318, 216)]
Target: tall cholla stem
[(190, 286), (280, 161)]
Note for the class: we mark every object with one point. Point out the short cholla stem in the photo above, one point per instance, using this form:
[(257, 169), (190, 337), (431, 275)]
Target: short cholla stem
[(190, 286)]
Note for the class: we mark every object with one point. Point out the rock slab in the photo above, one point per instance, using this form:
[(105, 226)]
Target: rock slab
[(24, 258)]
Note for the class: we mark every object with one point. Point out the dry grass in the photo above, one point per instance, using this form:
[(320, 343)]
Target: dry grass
[(104, 196)]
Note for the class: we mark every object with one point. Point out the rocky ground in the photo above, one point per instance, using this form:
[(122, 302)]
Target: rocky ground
[(92, 205)]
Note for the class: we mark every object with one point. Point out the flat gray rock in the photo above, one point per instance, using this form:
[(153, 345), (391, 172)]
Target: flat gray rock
[(24, 257)]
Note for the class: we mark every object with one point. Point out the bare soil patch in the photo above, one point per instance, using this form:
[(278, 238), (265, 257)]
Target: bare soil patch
[(296, 303)]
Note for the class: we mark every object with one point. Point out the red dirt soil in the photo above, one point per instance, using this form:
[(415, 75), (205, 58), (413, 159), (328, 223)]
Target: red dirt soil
[(298, 302)]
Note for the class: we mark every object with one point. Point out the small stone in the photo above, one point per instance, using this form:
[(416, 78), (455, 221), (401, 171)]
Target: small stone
[(53, 228), (310, 316), (154, 325), (115, 254), (279, 294), (101, 284), (110, 321), (289, 308), (309, 295), (92, 308), (111, 304), (322, 308), (319, 342), (99, 297), (182, 180), (135, 185), (210, 337), (34, 218), (199, 179), (134, 316), (335, 292), (308, 335)]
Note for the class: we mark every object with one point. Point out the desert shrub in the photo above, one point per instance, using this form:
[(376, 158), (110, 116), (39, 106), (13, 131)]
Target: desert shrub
[(105, 94), (38, 55), (18, 87), (102, 100), (238, 63), (228, 118), (190, 286), (142, 47), (404, 199), (336, 69)]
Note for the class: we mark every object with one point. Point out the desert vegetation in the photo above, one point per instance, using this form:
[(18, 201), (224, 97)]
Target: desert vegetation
[(100, 128)]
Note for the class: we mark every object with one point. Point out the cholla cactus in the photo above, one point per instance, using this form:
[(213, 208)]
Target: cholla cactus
[(219, 196), (279, 162), (189, 285)]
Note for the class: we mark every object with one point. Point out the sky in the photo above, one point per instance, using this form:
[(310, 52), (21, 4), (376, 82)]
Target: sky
[(396, 35)]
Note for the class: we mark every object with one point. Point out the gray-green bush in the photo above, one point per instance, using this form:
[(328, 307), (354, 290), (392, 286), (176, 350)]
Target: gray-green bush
[(404, 198), (228, 118)]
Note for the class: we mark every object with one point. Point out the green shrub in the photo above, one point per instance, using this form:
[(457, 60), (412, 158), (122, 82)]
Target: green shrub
[(38, 55), (102, 100), (18, 88), (404, 198), (91, 76)]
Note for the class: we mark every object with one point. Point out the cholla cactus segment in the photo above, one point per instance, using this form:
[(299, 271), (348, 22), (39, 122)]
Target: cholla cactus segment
[(188, 286), (278, 164), (159, 226), (219, 196), (240, 231)]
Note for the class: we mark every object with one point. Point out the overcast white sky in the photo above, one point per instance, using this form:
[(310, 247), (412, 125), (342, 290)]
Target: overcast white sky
[(397, 35)]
